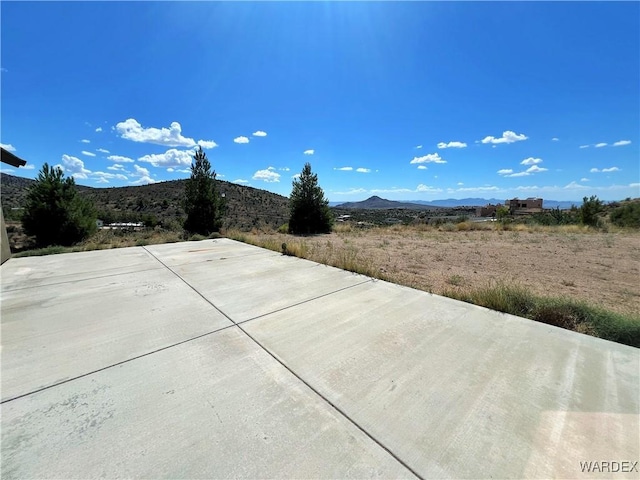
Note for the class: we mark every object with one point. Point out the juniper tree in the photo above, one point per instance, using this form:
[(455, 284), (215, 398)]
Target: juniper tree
[(309, 209), (54, 212), (202, 203)]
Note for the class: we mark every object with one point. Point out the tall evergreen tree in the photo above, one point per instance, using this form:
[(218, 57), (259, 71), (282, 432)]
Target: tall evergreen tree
[(202, 203), (309, 209), (55, 213)]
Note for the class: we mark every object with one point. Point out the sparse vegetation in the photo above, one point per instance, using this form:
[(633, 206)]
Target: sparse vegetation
[(601, 281), (627, 215), (560, 312)]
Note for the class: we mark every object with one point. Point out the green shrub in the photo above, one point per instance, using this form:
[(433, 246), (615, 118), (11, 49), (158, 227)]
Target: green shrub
[(589, 211), (627, 215)]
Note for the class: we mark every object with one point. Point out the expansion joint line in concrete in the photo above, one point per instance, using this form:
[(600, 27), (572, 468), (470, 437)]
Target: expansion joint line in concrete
[(84, 279), (333, 405), (166, 347), (300, 379)]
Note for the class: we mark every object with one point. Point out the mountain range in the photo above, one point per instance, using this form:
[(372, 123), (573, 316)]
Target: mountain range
[(375, 202)]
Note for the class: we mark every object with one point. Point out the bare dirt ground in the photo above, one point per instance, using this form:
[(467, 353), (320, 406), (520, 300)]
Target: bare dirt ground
[(600, 268)]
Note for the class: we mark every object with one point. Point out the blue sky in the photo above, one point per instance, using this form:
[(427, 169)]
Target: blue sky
[(415, 100)]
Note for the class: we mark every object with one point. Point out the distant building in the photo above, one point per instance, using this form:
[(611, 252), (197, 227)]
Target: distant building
[(524, 207), (488, 210)]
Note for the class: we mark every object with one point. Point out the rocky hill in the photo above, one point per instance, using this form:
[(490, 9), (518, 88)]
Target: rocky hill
[(246, 207), (377, 203)]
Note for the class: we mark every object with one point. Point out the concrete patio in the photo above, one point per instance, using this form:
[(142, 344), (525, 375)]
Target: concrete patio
[(217, 359)]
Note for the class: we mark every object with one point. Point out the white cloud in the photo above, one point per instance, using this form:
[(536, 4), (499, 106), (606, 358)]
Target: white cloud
[(84, 140), (284, 169), (117, 166), (171, 158), (242, 180), (344, 169), (583, 146), (429, 158), (132, 130), (418, 147), (102, 180), (120, 158), (555, 139), (422, 167), (352, 191), (241, 140), (507, 137), (102, 150), (600, 145), (531, 161), (621, 143), (105, 177), (88, 154), (297, 175), (478, 189), (460, 183), (144, 177), (207, 143), (309, 152), (426, 188), (452, 145), (508, 172), (8, 147), (584, 179), (74, 166), (605, 170), (575, 186), (259, 133), (268, 175), (363, 170), (99, 129), (28, 166)]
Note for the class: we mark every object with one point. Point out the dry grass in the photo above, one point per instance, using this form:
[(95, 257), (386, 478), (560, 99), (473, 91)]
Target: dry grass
[(570, 276), (574, 261)]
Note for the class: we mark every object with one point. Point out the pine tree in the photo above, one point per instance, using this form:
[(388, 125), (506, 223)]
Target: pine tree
[(309, 209), (55, 213), (202, 203)]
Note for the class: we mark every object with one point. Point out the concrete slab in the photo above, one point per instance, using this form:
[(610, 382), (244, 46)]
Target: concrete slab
[(458, 391), (216, 407), (245, 287), (173, 254), (30, 272), (56, 332), (119, 364)]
